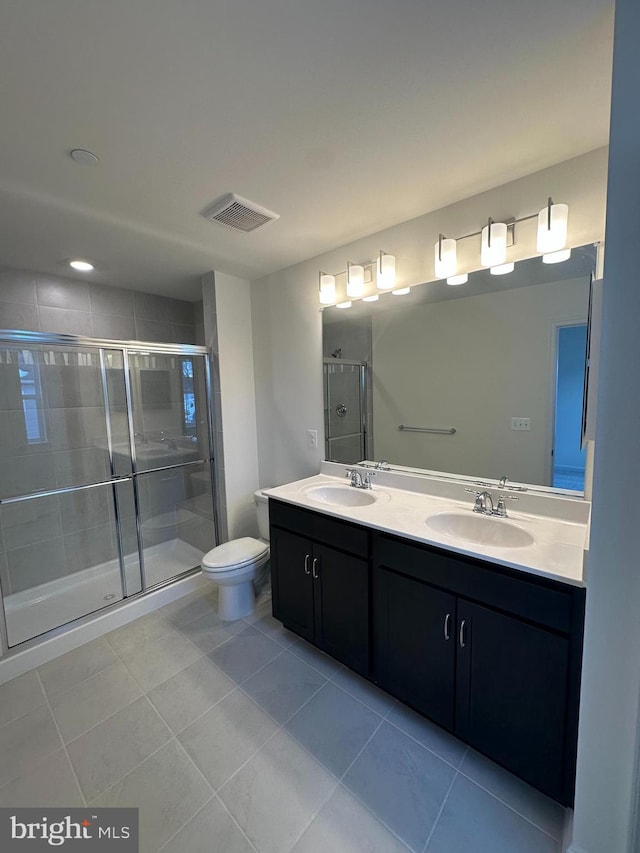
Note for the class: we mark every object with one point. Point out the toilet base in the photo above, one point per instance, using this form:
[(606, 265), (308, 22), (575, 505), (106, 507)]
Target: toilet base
[(236, 601)]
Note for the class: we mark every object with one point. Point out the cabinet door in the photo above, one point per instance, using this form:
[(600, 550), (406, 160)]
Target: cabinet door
[(341, 595), (291, 559), (415, 644), (511, 694)]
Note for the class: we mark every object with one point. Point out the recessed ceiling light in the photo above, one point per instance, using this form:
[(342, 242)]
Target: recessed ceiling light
[(81, 266), (83, 157)]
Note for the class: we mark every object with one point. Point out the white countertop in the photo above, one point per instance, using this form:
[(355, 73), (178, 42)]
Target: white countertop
[(557, 551)]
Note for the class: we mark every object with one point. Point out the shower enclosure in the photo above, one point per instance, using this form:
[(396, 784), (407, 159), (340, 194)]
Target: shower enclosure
[(347, 437), (106, 486)]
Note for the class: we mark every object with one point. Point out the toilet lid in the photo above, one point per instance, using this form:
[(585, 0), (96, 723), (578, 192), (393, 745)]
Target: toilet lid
[(235, 553)]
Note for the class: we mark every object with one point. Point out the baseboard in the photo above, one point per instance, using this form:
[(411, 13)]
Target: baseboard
[(91, 627), (575, 849)]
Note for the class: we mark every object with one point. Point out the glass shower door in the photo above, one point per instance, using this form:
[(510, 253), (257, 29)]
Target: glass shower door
[(344, 390), (60, 547), (172, 462)]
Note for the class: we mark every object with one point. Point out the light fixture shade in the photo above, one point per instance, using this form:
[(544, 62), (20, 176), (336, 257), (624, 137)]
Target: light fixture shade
[(493, 250), (355, 280), (401, 292), (386, 278), (446, 257), (327, 289), (463, 278), (552, 227), (343, 305), (556, 257), (373, 298), (502, 269)]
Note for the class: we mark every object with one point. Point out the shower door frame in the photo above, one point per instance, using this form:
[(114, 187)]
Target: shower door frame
[(26, 338)]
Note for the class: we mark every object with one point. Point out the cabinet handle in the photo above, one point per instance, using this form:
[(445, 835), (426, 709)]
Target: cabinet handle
[(447, 622), (307, 557), (313, 568), (461, 637)]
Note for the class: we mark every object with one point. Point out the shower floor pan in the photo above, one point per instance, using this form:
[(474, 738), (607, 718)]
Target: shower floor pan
[(38, 609)]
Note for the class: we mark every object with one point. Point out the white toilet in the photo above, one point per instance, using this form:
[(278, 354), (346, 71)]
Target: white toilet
[(235, 565)]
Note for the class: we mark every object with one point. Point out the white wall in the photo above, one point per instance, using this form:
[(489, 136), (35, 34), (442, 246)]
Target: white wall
[(237, 388), (607, 796), (473, 364), (287, 326)]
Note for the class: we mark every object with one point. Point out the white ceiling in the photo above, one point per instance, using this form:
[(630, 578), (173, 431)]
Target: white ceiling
[(344, 116)]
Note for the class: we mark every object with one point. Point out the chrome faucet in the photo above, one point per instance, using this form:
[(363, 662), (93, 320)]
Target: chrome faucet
[(381, 463), (484, 503), (356, 478)]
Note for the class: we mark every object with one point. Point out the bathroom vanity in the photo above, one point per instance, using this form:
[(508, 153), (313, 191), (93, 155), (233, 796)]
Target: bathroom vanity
[(483, 639)]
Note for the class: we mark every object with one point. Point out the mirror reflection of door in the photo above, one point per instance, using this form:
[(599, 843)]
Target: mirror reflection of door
[(568, 456)]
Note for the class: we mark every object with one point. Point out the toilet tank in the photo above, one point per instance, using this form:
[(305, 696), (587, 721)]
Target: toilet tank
[(262, 505)]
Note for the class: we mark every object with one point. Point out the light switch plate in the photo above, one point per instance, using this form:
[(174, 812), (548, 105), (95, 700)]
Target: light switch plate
[(521, 423), (312, 438)]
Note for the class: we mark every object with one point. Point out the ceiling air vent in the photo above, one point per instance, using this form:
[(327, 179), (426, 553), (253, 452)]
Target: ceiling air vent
[(239, 213)]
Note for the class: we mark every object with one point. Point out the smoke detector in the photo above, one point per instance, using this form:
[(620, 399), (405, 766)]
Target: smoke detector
[(239, 213)]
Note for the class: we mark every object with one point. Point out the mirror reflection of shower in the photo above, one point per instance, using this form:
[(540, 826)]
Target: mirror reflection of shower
[(105, 475)]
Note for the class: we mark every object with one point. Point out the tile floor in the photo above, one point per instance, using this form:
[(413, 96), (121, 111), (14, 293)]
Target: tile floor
[(240, 737)]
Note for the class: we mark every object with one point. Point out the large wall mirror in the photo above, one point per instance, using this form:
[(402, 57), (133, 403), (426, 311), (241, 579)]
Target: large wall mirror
[(483, 380)]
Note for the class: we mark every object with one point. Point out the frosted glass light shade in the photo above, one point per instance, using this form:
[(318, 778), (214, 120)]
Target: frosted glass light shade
[(355, 280), (502, 269), (386, 278), (552, 228), (446, 260), (494, 252), (556, 257), (401, 292), (327, 289), (463, 278), (343, 305), (373, 298)]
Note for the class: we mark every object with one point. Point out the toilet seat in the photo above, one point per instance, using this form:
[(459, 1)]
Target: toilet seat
[(234, 555)]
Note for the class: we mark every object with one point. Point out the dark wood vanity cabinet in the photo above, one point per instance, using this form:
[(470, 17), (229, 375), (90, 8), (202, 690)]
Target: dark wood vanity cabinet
[(321, 590), (491, 654)]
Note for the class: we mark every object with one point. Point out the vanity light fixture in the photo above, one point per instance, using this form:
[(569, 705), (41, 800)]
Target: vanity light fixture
[(327, 289), (373, 298), (446, 260), (343, 305), (556, 257), (502, 269), (463, 278), (401, 292), (493, 251), (81, 266), (552, 227), (355, 280), (386, 272)]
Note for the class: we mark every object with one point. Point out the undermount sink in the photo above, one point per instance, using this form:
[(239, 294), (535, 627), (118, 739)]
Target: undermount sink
[(480, 529), (341, 495)]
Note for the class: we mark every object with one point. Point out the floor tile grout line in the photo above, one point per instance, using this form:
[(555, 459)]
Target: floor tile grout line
[(249, 841), (30, 711), (64, 746), (200, 716), (440, 810), (82, 680), (424, 746), (179, 830), (128, 705), (129, 772), (510, 807), (357, 698)]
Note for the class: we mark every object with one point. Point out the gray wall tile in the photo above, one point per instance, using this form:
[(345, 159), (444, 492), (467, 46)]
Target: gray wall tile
[(25, 474), (152, 330), (111, 300), (61, 293), (146, 306), (183, 334), (86, 509), (114, 328), (19, 316), (17, 286), (65, 322), (90, 548), (77, 467), (31, 521), (36, 564)]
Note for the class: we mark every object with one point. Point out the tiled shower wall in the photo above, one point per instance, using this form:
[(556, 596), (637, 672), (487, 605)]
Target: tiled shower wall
[(44, 303)]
